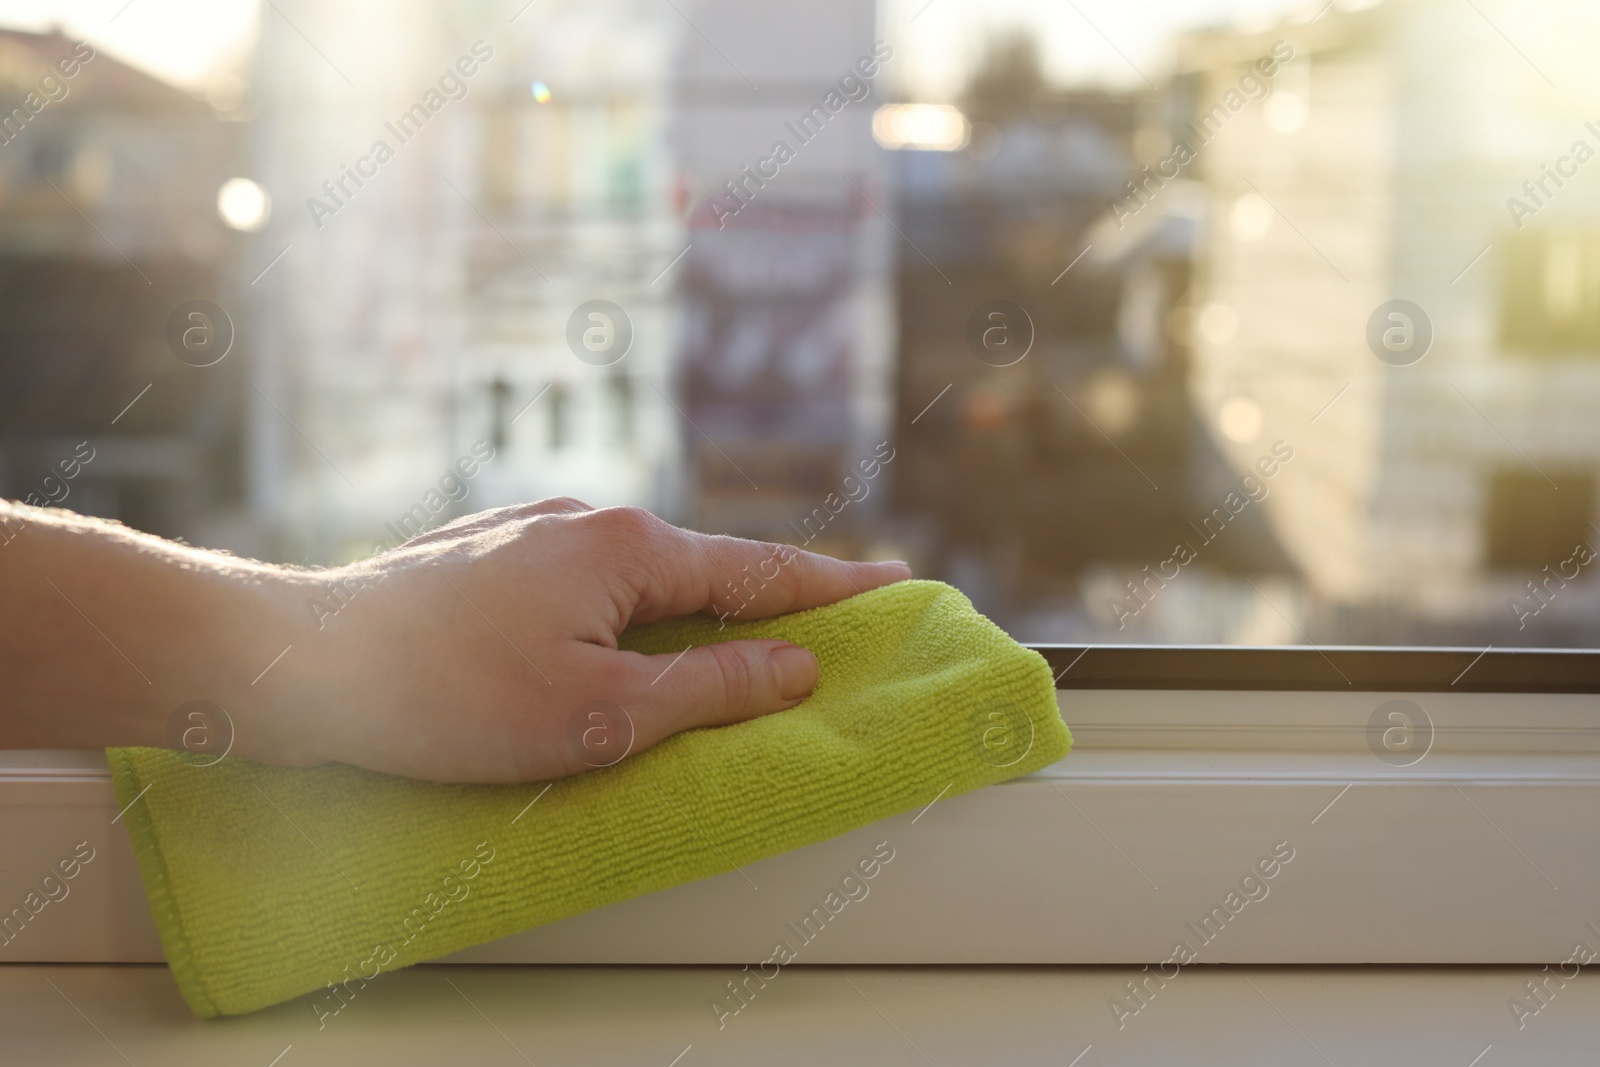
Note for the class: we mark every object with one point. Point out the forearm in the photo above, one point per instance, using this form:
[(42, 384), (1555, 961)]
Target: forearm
[(104, 632)]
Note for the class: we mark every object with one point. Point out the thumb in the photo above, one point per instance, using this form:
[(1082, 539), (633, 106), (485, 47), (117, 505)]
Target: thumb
[(732, 681)]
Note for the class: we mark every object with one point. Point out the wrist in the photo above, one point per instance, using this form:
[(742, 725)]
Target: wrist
[(267, 663), (217, 630), (309, 678)]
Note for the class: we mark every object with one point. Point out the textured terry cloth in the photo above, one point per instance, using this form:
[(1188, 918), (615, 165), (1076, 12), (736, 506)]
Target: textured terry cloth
[(270, 882)]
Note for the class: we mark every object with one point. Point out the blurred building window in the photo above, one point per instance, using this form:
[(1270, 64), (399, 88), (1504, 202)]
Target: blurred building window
[(48, 158), (619, 394), (1528, 522), (500, 154), (1551, 293), (499, 402), (624, 159), (560, 418)]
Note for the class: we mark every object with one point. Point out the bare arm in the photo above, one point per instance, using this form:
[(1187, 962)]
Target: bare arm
[(465, 655)]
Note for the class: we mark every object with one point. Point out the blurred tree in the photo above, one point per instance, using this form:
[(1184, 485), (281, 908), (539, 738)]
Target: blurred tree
[(1007, 81)]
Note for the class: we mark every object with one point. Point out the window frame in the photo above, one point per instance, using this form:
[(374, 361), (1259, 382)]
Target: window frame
[(1348, 668)]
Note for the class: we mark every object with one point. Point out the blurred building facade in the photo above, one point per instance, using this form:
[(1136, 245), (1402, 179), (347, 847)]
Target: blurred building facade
[(1045, 481), (1428, 498), (787, 321), (108, 221), (444, 299), (523, 173)]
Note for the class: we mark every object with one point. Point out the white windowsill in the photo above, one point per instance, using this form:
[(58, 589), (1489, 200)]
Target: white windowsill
[(1474, 855)]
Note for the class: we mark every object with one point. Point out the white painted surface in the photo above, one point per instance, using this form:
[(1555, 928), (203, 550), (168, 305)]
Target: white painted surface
[(1483, 852)]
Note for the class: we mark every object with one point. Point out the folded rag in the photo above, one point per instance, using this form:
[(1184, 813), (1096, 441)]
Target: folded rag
[(270, 882)]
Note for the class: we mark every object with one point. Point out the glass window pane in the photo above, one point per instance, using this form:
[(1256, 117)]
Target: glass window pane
[(1169, 321)]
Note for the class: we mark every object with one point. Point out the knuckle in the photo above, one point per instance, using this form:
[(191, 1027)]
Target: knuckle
[(555, 505), (627, 522), (786, 567), (772, 570)]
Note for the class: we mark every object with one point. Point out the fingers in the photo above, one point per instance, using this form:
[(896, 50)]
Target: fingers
[(631, 701), (684, 572), (712, 685), (755, 580)]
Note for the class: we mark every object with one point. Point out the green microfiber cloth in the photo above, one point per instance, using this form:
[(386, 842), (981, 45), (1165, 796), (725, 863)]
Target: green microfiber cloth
[(270, 882)]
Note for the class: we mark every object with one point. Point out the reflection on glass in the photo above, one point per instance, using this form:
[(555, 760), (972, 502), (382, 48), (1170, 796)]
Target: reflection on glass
[(1234, 321)]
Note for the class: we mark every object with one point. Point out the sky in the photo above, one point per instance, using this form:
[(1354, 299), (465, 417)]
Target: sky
[(186, 42), (1083, 42)]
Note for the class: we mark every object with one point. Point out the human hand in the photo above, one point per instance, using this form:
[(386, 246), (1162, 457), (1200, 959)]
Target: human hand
[(464, 654)]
